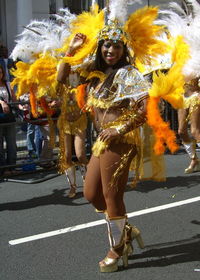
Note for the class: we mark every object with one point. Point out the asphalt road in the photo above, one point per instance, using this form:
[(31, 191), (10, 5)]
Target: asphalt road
[(171, 232)]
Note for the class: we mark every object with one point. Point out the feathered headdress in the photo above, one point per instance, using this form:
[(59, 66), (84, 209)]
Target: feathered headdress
[(138, 31)]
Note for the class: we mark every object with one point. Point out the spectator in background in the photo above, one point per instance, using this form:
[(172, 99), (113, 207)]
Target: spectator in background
[(6, 62), (34, 136), (38, 132), (7, 127)]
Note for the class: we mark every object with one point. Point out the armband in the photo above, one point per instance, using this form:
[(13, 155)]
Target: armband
[(121, 129)]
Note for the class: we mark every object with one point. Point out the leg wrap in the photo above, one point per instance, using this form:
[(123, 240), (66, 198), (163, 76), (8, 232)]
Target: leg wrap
[(71, 175), (115, 230), (190, 149)]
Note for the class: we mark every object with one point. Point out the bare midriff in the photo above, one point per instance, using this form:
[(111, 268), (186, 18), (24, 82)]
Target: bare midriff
[(104, 116)]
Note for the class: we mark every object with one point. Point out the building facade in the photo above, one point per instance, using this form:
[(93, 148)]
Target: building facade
[(14, 14)]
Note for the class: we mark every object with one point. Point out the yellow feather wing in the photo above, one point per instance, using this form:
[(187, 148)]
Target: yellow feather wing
[(88, 23), (143, 32), (170, 86), (21, 78)]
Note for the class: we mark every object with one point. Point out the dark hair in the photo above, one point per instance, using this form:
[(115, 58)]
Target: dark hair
[(4, 74)]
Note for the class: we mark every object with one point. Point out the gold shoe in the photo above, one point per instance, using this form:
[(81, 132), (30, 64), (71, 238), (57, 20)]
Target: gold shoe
[(111, 264), (133, 233), (72, 192), (193, 169)]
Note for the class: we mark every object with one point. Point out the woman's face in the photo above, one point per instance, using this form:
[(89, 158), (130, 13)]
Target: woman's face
[(112, 52)]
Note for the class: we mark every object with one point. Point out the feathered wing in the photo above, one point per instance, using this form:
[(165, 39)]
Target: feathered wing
[(88, 23), (21, 80), (187, 24), (36, 47), (41, 36), (143, 34), (170, 87)]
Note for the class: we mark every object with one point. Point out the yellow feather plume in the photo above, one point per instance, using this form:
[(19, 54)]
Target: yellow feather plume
[(143, 32), (170, 86), (88, 23), (21, 80), (41, 73), (181, 51)]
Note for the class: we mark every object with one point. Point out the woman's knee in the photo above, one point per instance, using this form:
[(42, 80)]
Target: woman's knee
[(182, 133), (81, 158), (88, 193), (195, 133), (113, 197)]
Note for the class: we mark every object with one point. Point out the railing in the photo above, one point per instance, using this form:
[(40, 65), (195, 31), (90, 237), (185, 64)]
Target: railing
[(26, 164)]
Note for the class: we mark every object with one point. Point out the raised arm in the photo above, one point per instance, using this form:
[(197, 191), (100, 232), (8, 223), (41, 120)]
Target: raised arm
[(65, 68)]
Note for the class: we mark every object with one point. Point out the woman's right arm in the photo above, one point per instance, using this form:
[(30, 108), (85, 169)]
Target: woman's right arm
[(65, 68)]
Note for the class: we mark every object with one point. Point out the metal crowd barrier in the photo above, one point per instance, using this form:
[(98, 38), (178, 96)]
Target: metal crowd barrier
[(26, 166), (24, 163), (31, 170)]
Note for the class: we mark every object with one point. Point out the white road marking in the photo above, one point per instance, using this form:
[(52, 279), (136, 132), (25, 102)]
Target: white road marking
[(100, 222)]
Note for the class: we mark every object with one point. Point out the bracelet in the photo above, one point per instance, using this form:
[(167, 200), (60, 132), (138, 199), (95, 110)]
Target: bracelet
[(121, 129)]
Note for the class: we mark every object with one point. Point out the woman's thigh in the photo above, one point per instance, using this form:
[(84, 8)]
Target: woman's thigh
[(182, 120), (183, 125), (92, 185), (79, 144), (114, 166), (195, 123)]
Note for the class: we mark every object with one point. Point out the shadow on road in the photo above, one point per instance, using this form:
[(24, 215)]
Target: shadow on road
[(57, 197), (171, 182), (170, 253)]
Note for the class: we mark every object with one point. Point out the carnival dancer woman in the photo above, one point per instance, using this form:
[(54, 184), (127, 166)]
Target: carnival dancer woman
[(72, 125), (112, 120), (116, 120), (115, 93)]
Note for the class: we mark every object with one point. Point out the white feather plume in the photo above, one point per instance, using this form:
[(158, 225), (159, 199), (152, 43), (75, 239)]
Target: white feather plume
[(42, 36), (180, 22), (118, 10)]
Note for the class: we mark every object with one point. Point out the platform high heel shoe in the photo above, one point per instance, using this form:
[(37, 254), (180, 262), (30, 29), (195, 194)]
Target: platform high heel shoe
[(191, 151), (71, 178), (132, 232), (193, 168), (118, 246)]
